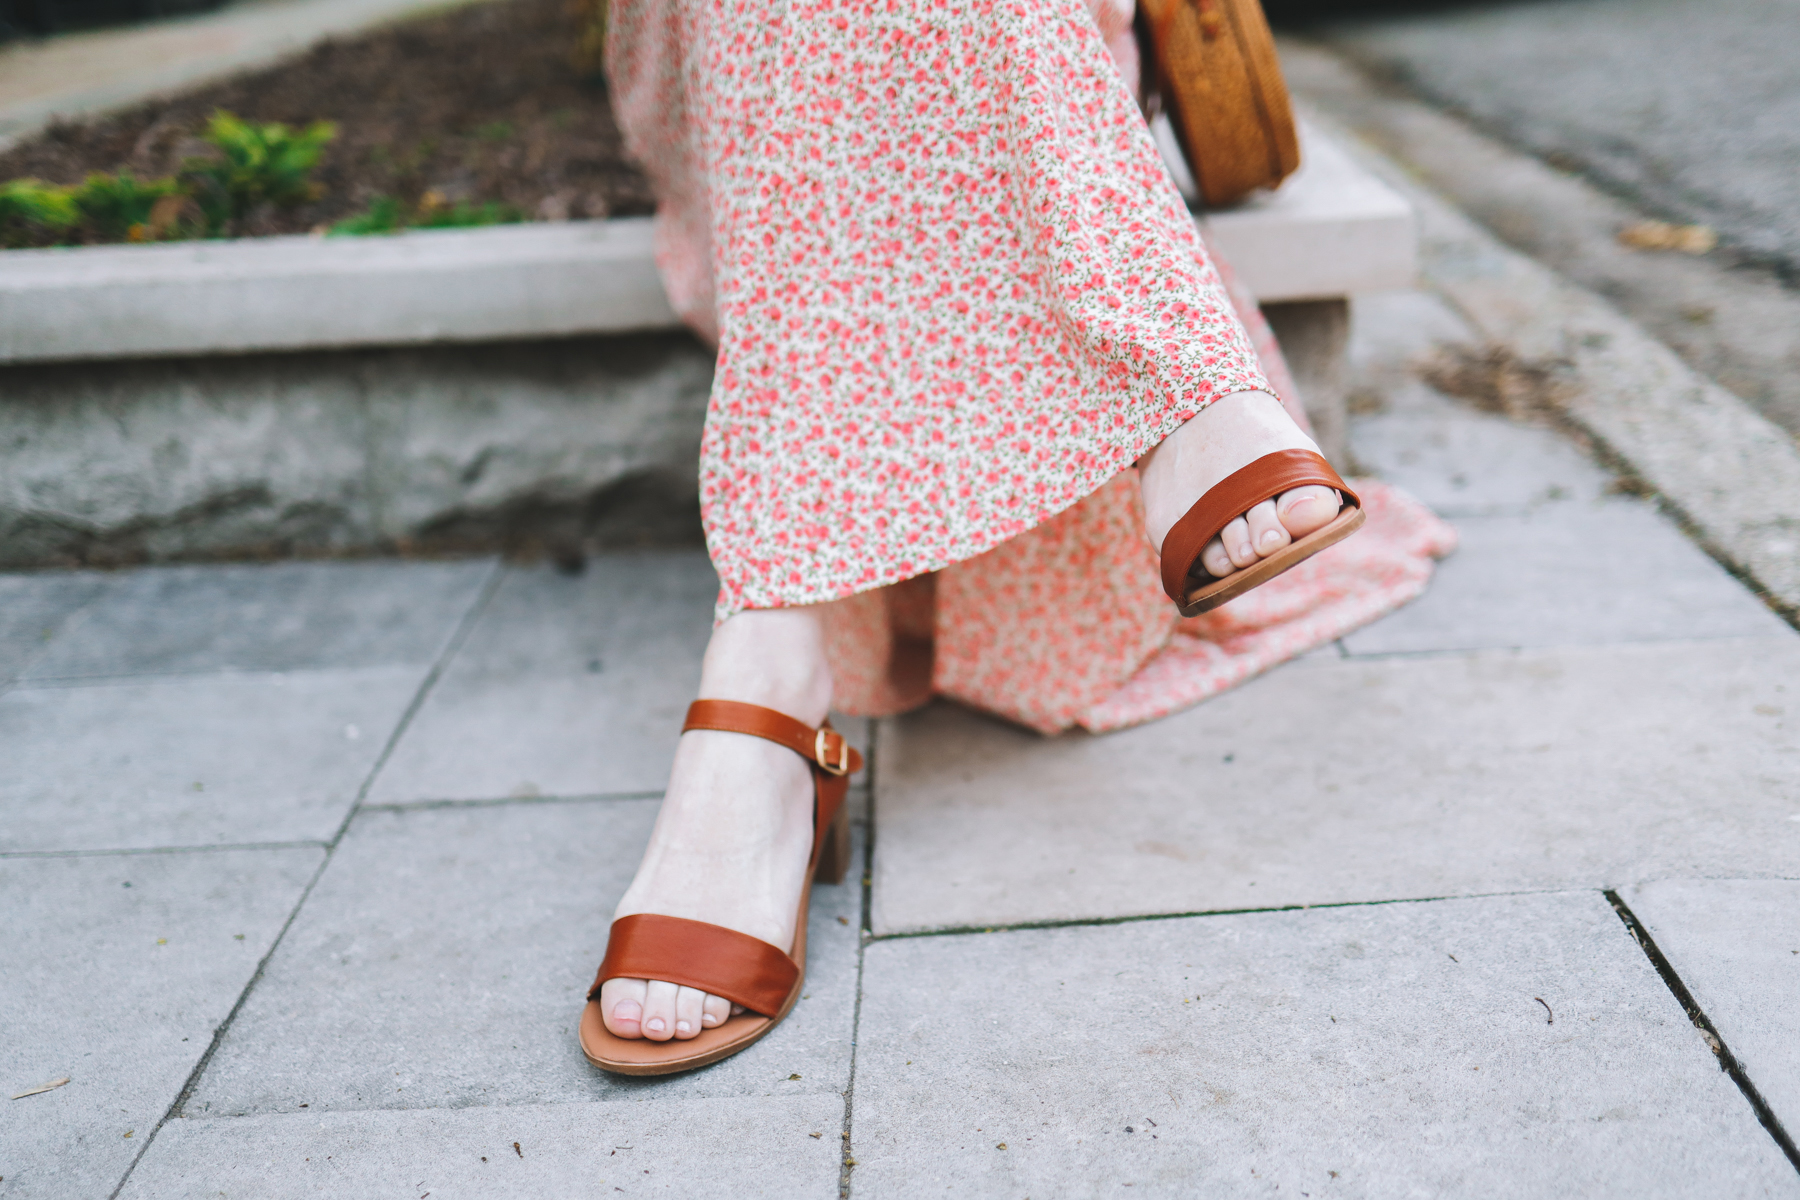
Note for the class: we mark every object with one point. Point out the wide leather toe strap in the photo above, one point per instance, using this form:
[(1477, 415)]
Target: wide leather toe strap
[(724, 962), (1232, 497)]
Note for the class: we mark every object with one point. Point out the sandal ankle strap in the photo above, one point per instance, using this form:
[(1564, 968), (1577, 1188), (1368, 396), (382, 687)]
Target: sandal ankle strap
[(825, 748)]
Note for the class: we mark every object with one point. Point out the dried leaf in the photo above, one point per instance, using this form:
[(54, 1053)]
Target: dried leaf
[(42, 1087), (1661, 235)]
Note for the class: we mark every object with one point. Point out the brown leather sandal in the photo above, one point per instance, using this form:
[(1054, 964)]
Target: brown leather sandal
[(1194, 589), (724, 962)]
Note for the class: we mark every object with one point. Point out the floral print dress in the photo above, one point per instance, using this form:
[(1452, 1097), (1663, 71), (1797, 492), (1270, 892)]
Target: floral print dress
[(955, 296)]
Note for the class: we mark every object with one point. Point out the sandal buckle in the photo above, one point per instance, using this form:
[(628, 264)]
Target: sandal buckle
[(822, 752)]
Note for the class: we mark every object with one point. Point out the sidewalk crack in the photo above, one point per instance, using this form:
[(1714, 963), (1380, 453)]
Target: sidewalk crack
[(1728, 1062), (846, 1159)]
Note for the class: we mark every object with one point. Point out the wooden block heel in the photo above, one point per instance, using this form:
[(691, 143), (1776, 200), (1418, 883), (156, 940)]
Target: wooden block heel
[(834, 855)]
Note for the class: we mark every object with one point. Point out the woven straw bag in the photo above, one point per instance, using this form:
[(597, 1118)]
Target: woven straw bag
[(1214, 64)]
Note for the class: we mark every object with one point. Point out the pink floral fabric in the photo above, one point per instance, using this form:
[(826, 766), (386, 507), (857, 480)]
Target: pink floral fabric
[(955, 296), (955, 291)]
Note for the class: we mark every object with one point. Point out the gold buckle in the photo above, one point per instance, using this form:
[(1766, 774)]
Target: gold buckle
[(821, 753)]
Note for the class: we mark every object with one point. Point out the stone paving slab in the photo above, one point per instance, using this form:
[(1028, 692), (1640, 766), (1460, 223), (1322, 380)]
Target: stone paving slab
[(1384, 1050), (1392, 332), (1463, 463), (114, 971), (442, 960), (1421, 777), (701, 1148), (33, 607), (205, 760), (279, 617), (566, 686), (1735, 943), (1570, 574)]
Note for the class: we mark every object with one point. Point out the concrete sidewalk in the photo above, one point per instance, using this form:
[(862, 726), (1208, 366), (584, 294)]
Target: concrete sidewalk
[(305, 868)]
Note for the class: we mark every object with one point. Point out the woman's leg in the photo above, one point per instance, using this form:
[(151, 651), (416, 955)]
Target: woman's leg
[(735, 829), (1228, 434)]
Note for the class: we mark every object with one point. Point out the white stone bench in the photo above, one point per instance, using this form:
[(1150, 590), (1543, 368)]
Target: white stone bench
[(104, 312), (1331, 231)]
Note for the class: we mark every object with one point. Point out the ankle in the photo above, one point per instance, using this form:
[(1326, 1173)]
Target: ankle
[(771, 657)]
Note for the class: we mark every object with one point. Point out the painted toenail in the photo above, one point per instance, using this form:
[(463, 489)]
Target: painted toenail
[(682, 1027), (655, 1025), (709, 1019)]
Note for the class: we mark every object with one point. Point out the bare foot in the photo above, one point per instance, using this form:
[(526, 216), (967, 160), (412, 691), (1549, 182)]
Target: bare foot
[(1230, 433), (735, 830)]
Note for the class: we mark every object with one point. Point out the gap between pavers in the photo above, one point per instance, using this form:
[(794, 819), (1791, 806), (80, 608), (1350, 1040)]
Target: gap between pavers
[(1422, 776), (1370, 1051), (1735, 944), (717, 1147), (442, 962), (117, 969)]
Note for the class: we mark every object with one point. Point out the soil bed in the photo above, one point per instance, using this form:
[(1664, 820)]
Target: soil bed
[(483, 104)]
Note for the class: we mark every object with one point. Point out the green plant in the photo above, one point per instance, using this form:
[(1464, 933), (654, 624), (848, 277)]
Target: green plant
[(255, 164), (462, 216), (386, 215), (33, 212), (120, 208), (383, 215)]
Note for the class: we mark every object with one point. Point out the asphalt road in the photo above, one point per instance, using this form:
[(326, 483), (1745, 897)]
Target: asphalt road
[(1690, 109)]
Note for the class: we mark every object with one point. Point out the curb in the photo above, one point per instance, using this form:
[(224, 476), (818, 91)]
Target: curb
[(1728, 473), (305, 293)]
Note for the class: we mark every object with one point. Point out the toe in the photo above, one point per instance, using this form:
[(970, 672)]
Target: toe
[(1215, 560), (716, 1011), (1305, 509), (622, 1007), (1266, 534), (688, 1003), (1236, 537), (659, 1010)]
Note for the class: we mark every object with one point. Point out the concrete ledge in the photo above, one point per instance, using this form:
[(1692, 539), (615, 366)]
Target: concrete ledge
[(290, 293), (1333, 230)]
